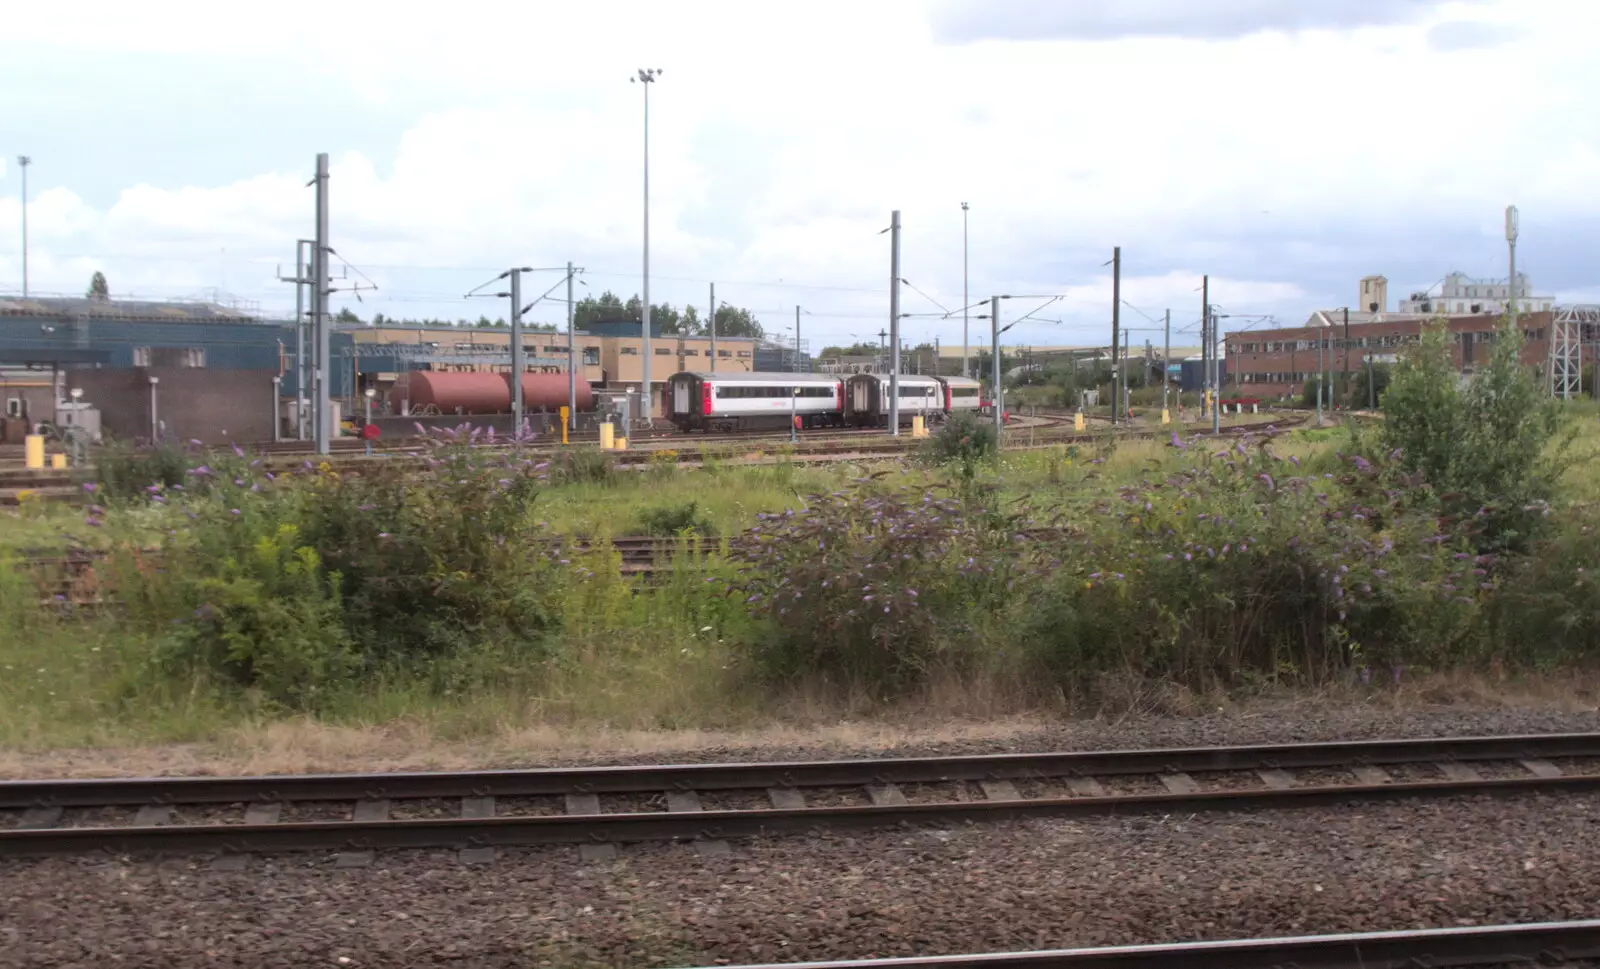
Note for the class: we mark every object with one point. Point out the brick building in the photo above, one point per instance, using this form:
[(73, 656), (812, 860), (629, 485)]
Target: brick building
[(1278, 363)]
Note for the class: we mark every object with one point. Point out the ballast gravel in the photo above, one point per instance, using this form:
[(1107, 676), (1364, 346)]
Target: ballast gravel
[(1029, 885)]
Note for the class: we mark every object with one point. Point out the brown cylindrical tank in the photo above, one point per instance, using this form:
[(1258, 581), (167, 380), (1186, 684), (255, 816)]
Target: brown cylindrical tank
[(548, 391), (452, 392), (485, 393)]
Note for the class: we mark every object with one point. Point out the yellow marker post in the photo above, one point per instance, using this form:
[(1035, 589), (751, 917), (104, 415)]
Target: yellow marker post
[(33, 452), (918, 427), (58, 462), (1166, 416), (607, 436), (622, 444), (1077, 421), (564, 414)]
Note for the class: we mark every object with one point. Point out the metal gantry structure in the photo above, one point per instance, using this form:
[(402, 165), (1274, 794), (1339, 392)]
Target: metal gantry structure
[(1566, 348)]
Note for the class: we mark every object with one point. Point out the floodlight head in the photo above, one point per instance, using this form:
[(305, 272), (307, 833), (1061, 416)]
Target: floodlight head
[(1511, 223)]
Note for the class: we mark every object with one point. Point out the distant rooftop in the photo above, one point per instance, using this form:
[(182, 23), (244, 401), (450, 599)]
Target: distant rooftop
[(79, 307)]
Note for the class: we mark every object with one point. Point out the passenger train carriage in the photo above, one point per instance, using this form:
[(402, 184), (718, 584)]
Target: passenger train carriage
[(867, 397), (741, 401)]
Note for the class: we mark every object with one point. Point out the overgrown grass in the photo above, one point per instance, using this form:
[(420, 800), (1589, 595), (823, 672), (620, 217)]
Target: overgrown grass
[(457, 599)]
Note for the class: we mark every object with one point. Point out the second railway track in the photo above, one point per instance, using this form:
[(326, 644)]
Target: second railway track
[(597, 807)]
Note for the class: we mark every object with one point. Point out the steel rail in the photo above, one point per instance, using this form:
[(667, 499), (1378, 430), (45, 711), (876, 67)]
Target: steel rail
[(1541, 943), (710, 825), (636, 779)]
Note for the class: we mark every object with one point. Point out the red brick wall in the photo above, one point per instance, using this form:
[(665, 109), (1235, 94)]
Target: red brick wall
[(1258, 371), (211, 406)]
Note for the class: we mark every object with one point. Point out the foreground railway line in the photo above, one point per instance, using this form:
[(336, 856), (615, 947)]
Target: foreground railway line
[(1545, 943), (354, 815)]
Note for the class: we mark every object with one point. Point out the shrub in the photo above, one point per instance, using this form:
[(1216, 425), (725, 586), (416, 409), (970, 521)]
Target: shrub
[(583, 466), (268, 620), (126, 471), (871, 589), (1546, 605), (1243, 568), (965, 442), (676, 519), (388, 570), (1493, 450)]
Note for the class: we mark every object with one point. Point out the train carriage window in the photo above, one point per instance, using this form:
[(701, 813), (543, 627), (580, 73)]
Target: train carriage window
[(775, 391), (963, 391), (915, 391)]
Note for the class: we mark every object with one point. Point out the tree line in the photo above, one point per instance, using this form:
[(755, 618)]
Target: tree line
[(605, 308)]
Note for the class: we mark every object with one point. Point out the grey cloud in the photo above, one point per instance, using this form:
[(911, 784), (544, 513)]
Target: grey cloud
[(1470, 35), (966, 21)]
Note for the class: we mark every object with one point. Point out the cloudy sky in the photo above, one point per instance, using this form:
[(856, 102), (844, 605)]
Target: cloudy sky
[(1285, 147)]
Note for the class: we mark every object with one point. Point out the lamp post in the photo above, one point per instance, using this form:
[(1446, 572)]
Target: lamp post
[(155, 424), (277, 403), (966, 367), (794, 416), (23, 161), (369, 393), (645, 78)]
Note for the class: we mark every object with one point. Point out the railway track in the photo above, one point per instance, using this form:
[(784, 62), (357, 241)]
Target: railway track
[(810, 450), (73, 577), (1543, 943), (597, 808)]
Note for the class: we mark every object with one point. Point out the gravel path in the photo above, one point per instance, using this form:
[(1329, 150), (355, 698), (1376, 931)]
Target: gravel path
[(977, 888)]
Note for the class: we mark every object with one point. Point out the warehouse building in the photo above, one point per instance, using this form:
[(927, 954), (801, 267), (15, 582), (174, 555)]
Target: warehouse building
[(1279, 363)]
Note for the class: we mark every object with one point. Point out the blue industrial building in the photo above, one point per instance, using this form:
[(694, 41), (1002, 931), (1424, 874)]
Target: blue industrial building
[(67, 333)]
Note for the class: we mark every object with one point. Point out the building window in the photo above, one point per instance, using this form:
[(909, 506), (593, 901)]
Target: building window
[(169, 357), (591, 356), (744, 353), (663, 351), (724, 353), (690, 353), (551, 349), (630, 351)]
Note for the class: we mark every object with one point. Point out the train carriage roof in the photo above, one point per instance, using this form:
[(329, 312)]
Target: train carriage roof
[(906, 379), (763, 376)]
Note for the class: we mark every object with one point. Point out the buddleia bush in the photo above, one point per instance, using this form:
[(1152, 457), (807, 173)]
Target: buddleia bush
[(872, 588)]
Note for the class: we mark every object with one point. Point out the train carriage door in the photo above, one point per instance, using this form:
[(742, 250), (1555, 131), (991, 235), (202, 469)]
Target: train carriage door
[(680, 396)]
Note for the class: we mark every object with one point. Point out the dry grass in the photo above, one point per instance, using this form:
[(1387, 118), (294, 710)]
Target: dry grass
[(947, 715)]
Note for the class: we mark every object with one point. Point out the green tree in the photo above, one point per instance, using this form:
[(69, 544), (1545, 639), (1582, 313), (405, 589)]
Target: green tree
[(734, 321), (346, 317), (1361, 396), (1492, 448), (97, 286), (606, 308)]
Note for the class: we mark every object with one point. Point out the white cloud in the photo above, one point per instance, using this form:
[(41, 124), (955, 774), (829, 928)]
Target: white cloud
[(779, 143)]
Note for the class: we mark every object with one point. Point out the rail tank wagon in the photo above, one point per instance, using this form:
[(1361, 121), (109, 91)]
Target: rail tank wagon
[(449, 392)]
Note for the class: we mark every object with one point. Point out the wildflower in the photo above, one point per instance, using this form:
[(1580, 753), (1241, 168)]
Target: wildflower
[(233, 511), (90, 487)]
